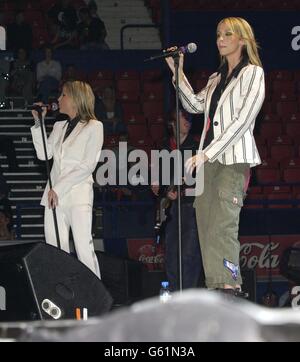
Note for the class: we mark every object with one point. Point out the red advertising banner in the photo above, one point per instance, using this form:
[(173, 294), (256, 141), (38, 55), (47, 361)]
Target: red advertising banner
[(255, 251), (147, 252)]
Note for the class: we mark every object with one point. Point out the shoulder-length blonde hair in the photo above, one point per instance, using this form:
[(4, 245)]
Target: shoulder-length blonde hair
[(243, 29), (83, 97)]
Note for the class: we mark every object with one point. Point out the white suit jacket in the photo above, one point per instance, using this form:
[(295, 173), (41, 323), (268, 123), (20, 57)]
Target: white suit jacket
[(235, 115), (73, 160)]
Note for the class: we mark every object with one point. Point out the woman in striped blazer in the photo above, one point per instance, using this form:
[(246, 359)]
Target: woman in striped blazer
[(230, 102)]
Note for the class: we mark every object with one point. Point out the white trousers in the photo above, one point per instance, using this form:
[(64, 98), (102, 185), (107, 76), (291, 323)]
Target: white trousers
[(79, 219)]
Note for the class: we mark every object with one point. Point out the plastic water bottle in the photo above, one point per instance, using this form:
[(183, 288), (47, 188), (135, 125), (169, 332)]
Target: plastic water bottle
[(165, 293)]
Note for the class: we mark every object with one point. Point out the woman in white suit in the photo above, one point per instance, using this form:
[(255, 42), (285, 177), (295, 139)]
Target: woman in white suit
[(230, 102), (75, 147)]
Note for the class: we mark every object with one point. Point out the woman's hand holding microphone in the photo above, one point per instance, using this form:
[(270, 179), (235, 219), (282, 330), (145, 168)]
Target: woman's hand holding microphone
[(35, 113), (171, 64)]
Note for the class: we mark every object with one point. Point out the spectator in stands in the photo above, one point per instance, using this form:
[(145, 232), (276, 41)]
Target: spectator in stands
[(48, 76), (63, 21), (4, 77), (93, 9), (5, 211), (70, 74), (22, 76), (191, 256), (19, 34), (91, 31), (5, 226), (230, 101), (110, 112), (75, 147)]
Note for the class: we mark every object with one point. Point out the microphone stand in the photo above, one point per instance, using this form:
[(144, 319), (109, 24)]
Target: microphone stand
[(48, 174), (176, 58)]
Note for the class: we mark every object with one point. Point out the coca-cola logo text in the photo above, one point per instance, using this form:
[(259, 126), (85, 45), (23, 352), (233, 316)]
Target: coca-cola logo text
[(254, 255)]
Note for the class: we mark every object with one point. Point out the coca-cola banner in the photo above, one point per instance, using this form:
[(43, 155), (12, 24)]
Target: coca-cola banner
[(148, 252), (259, 251)]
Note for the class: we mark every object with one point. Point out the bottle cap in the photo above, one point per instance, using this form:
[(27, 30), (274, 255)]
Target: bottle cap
[(165, 284)]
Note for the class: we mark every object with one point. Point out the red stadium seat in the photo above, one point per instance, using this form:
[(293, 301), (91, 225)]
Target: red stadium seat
[(131, 111), (269, 163), (285, 198), (154, 111), (128, 85), (100, 74), (280, 140), (153, 91), (270, 129), (277, 189), (280, 152), (287, 108), (291, 118), (127, 74), (268, 175), (283, 85), (270, 117), (157, 131), (281, 75), (290, 163), (132, 96), (291, 175), (284, 96), (293, 130), (137, 132)]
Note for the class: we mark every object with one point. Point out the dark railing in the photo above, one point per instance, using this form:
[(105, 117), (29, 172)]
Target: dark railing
[(113, 218)]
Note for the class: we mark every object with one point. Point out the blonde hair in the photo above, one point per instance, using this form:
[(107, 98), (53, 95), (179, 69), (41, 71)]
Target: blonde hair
[(243, 29), (83, 97)]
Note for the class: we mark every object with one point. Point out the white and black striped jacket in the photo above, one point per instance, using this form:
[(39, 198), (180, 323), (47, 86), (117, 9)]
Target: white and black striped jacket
[(235, 115)]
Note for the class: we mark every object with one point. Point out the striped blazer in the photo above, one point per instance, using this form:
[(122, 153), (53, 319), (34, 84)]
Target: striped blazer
[(234, 118)]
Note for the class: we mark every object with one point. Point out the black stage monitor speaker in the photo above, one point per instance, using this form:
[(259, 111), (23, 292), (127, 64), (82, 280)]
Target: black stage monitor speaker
[(122, 277), (42, 282)]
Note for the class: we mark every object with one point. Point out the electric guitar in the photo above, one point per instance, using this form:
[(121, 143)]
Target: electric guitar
[(162, 208)]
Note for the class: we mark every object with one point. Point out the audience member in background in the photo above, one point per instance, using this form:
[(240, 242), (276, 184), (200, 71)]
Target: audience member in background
[(110, 112), (63, 21), (5, 226), (48, 76), (71, 74), (22, 76), (93, 9), (5, 211), (4, 77), (19, 34), (91, 31)]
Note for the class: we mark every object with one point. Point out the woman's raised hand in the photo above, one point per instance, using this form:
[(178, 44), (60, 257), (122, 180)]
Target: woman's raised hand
[(171, 64)]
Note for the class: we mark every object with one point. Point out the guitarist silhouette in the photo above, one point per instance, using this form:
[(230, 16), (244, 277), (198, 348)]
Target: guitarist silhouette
[(167, 218)]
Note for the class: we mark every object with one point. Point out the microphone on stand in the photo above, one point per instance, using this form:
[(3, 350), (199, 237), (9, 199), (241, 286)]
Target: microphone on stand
[(39, 108), (189, 48)]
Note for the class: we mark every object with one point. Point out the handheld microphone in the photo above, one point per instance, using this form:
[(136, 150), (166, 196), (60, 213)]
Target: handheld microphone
[(189, 48), (50, 107)]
